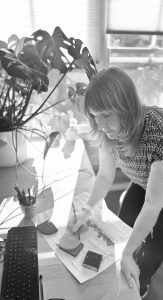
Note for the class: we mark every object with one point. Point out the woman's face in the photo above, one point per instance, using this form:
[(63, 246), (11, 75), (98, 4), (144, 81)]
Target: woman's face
[(108, 122)]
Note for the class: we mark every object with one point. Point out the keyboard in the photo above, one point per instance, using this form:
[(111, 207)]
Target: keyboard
[(20, 279)]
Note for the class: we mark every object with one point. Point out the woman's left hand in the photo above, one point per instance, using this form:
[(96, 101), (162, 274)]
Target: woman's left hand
[(130, 270)]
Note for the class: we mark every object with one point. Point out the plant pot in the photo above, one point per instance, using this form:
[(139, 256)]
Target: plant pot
[(8, 156), (28, 211)]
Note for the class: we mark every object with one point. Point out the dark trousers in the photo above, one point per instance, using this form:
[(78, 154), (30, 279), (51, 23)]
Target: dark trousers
[(149, 255)]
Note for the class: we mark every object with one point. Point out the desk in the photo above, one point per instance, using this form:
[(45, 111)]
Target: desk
[(65, 182)]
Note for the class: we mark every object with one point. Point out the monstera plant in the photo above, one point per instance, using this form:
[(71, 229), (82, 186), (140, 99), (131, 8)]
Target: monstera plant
[(25, 64)]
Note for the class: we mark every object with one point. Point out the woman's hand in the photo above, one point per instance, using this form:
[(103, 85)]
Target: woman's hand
[(130, 270), (81, 219)]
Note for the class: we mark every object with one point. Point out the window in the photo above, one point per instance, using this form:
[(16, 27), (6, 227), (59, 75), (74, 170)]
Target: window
[(135, 43), (135, 16), (81, 19), (142, 57)]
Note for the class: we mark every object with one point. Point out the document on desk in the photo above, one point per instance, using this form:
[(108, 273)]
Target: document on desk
[(95, 240), (106, 240)]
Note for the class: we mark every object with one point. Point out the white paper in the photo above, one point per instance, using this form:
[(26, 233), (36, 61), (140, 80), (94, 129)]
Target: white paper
[(100, 238), (95, 240)]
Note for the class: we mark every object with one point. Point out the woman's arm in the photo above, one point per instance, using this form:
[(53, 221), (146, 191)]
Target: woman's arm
[(102, 184), (145, 221), (104, 178)]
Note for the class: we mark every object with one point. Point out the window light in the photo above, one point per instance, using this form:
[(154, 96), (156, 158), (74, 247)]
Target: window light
[(135, 16)]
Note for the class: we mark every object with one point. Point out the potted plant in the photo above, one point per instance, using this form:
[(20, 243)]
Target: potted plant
[(25, 65)]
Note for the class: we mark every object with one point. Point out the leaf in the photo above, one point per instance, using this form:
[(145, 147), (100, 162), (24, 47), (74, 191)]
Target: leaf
[(49, 142), (18, 69), (59, 52), (49, 48), (13, 41), (40, 35), (71, 93), (5, 122), (82, 57), (3, 45), (80, 87)]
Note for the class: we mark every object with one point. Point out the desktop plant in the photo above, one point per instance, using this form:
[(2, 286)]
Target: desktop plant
[(25, 65)]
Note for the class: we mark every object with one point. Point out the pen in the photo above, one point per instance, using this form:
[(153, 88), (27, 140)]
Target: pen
[(75, 219), (41, 287)]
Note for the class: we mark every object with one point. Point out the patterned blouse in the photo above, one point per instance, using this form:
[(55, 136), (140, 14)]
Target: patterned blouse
[(150, 149)]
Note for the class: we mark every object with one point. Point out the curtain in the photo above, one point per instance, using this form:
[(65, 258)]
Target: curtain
[(135, 16)]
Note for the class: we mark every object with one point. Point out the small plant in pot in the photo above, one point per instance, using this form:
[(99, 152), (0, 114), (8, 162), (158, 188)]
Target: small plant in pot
[(25, 65)]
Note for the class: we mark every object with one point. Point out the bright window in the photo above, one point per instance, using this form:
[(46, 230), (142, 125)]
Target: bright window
[(22, 17), (129, 16)]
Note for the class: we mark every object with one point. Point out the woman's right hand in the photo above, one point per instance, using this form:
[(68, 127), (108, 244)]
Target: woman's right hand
[(130, 269), (81, 220)]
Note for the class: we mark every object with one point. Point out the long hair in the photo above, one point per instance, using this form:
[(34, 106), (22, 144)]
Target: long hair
[(113, 90)]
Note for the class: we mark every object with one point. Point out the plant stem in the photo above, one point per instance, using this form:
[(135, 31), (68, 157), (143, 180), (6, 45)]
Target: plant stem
[(39, 108), (38, 132), (27, 100), (54, 104), (22, 111)]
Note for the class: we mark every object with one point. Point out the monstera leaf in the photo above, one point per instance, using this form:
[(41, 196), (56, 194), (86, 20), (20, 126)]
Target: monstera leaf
[(49, 48), (30, 56), (63, 53), (16, 68), (41, 53), (28, 62), (82, 57)]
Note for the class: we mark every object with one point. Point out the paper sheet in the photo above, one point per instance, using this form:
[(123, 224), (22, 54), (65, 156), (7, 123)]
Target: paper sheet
[(94, 240), (99, 238)]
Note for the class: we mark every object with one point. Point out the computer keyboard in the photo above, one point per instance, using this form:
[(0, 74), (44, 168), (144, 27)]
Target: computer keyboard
[(20, 279)]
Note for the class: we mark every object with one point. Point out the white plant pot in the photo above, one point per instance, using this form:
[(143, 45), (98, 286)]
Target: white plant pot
[(29, 212), (7, 149)]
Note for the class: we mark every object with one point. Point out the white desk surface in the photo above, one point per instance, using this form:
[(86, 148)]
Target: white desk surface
[(65, 182)]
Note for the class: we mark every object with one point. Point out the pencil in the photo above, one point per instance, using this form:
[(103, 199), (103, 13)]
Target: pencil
[(41, 287), (75, 219)]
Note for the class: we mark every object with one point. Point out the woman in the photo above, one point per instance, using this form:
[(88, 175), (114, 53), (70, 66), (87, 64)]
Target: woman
[(130, 136)]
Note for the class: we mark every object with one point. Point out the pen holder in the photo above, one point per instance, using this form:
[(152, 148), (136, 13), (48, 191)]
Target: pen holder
[(29, 211)]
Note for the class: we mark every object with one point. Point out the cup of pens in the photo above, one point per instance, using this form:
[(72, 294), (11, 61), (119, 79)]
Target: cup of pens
[(27, 203)]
